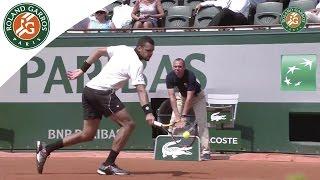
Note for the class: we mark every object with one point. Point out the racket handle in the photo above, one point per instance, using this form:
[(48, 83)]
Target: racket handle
[(157, 123)]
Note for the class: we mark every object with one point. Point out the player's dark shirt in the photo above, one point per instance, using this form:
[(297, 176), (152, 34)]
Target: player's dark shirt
[(186, 83)]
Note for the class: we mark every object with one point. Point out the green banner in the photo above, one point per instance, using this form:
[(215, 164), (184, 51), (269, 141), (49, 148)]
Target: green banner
[(50, 122), (167, 149), (299, 72), (220, 118), (225, 140)]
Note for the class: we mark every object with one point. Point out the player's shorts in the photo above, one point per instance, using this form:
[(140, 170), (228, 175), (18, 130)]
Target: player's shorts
[(96, 103)]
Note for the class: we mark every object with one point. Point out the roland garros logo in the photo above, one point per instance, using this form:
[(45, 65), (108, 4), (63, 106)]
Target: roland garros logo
[(26, 26), (293, 19)]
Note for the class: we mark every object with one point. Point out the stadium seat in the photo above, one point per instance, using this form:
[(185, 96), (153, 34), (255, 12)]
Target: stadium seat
[(315, 1), (219, 104), (268, 13), (192, 3), (303, 4), (205, 16), (166, 4), (178, 16)]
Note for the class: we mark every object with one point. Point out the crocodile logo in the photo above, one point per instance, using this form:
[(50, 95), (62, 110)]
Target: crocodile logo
[(169, 150), (217, 117)]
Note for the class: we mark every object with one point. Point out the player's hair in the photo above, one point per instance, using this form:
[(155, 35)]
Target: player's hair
[(145, 39)]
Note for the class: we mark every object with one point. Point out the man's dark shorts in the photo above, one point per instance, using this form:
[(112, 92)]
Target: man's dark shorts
[(96, 103)]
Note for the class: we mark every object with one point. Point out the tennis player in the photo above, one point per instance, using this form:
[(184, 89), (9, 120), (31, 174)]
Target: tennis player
[(99, 99)]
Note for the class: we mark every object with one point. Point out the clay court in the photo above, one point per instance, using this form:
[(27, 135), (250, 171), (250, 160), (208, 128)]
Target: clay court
[(83, 165)]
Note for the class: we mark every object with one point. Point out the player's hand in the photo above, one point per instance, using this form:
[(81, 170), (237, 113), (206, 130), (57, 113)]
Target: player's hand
[(74, 74), (181, 122), (150, 119)]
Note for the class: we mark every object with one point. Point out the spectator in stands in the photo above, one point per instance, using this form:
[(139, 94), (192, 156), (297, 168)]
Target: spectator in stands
[(121, 17), (284, 2), (100, 20), (313, 15), (233, 12), (149, 13)]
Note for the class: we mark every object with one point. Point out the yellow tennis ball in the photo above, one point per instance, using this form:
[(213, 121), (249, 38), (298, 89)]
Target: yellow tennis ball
[(186, 134)]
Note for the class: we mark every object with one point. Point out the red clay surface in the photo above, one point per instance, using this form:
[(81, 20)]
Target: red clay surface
[(83, 165)]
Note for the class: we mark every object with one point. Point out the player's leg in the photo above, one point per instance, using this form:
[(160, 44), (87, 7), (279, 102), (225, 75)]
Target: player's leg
[(92, 116), (127, 126), (115, 110), (87, 134), (43, 151), (199, 107), (180, 104)]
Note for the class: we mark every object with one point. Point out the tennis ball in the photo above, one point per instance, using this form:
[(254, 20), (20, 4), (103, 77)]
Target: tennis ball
[(186, 134)]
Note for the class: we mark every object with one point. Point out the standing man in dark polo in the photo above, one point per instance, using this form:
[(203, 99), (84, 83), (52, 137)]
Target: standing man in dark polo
[(191, 97)]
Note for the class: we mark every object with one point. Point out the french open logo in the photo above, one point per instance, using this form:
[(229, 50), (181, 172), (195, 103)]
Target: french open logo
[(293, 19), (26, 26)]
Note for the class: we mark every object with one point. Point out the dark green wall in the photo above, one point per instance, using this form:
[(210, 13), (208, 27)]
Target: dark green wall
[(31, 121), (265, 127)]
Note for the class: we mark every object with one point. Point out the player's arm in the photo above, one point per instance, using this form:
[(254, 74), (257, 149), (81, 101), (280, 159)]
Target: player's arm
[(187, 104), (87, 63), (144, 102), (173, 102), (191, 89), (96, 55)]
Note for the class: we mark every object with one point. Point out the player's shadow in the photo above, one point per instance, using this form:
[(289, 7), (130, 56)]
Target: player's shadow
[(173, 173), (132, 173), (220, 157), (56, 173), (247, 133), (8, 136)]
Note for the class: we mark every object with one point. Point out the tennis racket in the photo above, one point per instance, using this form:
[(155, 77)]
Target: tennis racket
[(176, 134)]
